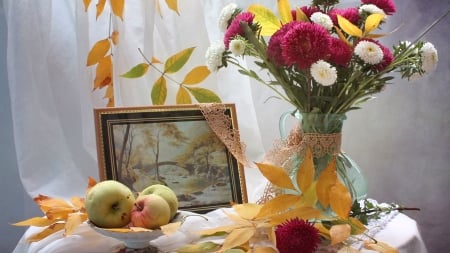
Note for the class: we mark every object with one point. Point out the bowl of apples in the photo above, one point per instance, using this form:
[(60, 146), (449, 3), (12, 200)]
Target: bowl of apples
[(113, 210)]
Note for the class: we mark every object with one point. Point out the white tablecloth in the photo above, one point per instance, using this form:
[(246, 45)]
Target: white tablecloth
[(399, 231)]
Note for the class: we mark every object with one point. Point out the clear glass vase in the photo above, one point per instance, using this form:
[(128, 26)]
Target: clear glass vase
[(322, 134)]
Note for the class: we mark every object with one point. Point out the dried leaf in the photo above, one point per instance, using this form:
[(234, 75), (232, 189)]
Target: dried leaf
[(59, 212), (303, 212), (257, 249), (203, 95), (326, 180), (137, 71), (226, 229), (372, 22), (305, 174), (322, 230), (203, 247), (348, 249), (35, 221), (170, 228), (247, 211), (173, 5), (342, 36), (300, 15), (238, 220), (86, 4), (357, 226), (115, 37), (117, 7), (339, 233), (103, 72), (100, 7), (340, 200), (50, 203), (178, 60), (98, 52), (237, 237), (159, 91), (183, 96), (46, 232), (380, 247), (276, 175), (266, 18), (196, 75), (91, 183), (78, 203), (309, 197), (278, 204), (284, 8), (348, 27), (73, 221)]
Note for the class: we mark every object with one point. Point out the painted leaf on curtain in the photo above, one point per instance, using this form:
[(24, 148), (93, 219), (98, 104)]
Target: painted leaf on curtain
[(97, 52), (115, 37), (103, 73), (183, 96), (203, 95), (137, 71), (175, 62), (159, 91), (100, 7), (196, 75), (173, 5), (86, 4), (117, 7)]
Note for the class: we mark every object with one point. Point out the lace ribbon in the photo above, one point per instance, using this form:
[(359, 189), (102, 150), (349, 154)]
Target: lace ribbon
[(222, 125)]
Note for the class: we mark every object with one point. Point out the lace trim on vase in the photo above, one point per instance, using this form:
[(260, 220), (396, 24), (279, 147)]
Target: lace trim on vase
[(222, 125)]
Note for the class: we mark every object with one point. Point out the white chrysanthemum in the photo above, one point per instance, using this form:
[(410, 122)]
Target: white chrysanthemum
[(225, 16), (369, 52), (237, 47), (323, 73), (322, 19), (429, 57), (372, 9), (214, 56)]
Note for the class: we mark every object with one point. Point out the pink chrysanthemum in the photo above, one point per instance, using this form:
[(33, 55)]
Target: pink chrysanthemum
[(304, 44), (387, 6), (351, 14), (388, 57), (274, 46), (340, 52), (235, 27), (297, 235)]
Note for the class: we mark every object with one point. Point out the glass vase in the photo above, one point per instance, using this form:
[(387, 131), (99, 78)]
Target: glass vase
[(322, 134)]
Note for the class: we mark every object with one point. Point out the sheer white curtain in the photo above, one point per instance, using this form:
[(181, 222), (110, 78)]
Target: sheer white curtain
[(51, 88)]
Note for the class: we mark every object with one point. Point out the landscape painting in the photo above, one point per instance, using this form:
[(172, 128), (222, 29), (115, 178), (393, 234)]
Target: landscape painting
[(170, 145)]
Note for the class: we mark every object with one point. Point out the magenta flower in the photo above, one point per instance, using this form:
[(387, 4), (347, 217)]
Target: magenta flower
[(304, 44), (351, 14), (340, 52), (387, 6), (235, 27), (274, 51), (297, 235)]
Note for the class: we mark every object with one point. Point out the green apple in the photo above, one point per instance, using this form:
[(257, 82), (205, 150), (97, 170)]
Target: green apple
[(150, 211), (109, 204), (166, 193)]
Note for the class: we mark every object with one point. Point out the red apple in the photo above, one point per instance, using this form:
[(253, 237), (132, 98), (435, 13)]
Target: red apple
[(150, 211)]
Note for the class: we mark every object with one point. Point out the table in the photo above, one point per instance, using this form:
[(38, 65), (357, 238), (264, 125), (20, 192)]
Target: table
[(398, 230)]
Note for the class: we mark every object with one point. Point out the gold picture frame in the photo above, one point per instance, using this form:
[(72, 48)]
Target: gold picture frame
[(172, 145)]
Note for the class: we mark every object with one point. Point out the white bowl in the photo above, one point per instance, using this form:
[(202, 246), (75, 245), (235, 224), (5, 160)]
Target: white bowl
[(134, 238)]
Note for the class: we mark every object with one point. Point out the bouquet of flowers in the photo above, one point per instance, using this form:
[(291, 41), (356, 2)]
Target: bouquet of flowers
[(325, 59)]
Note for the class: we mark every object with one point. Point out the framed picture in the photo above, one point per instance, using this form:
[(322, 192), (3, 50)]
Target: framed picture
[(170, 145)]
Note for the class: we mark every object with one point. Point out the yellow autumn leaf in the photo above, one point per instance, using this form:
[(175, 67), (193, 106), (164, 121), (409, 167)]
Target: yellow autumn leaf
[(300, 15), (238, 220), (348, 249), (276, 175), (340, 200), (98, 52), (372, 22), (260, 249), (265, 18), (170, 228), (309, 197), (278, 204), (50, 203), (117, 7), (284, 8), (238, 237), (115, 37), (380, 247), (86, 4), (348, 27), (73, 221), (59, 212), (339, 233), (326, 180), (342, 36), (77, 202), (203, 247), (103, 72), (305, 174), (178, 60), (212, 231), (173, 5), (302, 212), (183, 96), (35, 221), (357, 226), (100, 7), (196, 75), (247, 211), (159, 91), (46, 232), (325, 232)]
